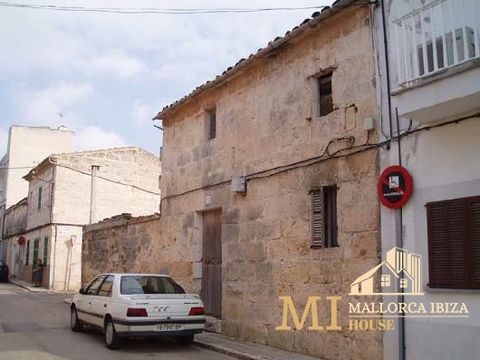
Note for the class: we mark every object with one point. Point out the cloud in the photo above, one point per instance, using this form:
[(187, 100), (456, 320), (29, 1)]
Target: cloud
[(54, 105), (117, 64), (106, 71), (94, 137), (142, 114)]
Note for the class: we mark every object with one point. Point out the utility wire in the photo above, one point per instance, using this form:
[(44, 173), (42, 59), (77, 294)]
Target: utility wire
[(165, 11), (107, 179), (326, 155)]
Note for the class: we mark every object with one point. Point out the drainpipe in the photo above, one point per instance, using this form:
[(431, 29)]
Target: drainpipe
[(398, 213), (93, 193)]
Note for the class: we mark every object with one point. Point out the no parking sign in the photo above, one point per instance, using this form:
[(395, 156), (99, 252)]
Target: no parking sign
[(395, 186)]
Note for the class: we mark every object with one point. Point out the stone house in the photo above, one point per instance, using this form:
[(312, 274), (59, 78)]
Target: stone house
[(58, 205), (269, 184), (434, 87)]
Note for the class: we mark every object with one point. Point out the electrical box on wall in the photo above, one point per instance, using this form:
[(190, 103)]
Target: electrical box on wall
[(238, 185), (368, 124)]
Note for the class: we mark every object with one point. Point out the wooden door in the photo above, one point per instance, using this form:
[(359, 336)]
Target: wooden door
[(212, 263)]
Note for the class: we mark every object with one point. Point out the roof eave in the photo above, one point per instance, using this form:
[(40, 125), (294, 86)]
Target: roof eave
[(338, 6)]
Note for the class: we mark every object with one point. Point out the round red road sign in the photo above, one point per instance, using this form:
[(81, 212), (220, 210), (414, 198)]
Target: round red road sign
[(21, 241), (395, 186)]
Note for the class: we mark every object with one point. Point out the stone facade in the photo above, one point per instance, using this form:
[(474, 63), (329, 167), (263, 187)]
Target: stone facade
[(59, 206), (267, 118), (119, 244)]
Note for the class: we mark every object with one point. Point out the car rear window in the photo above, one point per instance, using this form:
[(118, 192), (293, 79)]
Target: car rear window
[(131, 285)]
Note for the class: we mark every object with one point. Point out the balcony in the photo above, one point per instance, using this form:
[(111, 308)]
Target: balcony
[(438, 36), (438, 60)]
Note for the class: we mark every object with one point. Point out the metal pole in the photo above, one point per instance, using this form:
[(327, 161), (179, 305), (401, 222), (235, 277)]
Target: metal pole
[(399, 222), (93, 193)]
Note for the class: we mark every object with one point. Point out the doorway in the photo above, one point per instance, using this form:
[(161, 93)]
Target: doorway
[(212, 263)]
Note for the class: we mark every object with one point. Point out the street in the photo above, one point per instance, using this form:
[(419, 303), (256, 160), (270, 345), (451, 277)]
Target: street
[(36, 326)]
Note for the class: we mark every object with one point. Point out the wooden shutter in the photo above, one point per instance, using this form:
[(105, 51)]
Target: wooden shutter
[(317, 216), (454, 243), (474, 230), (330, 201)]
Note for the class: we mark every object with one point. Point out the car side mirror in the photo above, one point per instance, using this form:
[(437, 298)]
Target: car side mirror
[(82, 291)]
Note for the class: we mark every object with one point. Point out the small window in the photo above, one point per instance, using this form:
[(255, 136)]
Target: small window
[(39, 204), (106, 288), (324, 217), (325, 94), (454, 243), (212, 124), (94, 286), (45, 251), (385, 281), (403, 283)]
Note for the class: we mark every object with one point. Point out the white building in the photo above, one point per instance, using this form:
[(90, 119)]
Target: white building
[(60, 203), (26, 147), (434, 69)]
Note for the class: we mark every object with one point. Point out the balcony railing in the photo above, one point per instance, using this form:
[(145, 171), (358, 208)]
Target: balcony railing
[(440, 35)]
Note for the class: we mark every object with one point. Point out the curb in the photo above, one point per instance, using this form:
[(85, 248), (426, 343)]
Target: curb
[(227, 351), (29, 288)]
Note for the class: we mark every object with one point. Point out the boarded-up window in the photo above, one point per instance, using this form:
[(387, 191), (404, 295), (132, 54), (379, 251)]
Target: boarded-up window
[(325, 94), (454, 243), (324, 217)]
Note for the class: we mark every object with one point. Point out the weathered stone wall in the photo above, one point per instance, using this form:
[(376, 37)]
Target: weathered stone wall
[(119, 244), (266, 117)]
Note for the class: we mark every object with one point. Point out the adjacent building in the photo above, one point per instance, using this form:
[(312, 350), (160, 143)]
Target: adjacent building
[(68, 191), (432, 59), (26, 147)]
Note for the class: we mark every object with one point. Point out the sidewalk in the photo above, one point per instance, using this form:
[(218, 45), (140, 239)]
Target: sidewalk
[(244, 350), (29, 286)]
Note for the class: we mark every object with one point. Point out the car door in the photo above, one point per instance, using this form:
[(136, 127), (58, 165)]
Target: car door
[(100, 303), (85, 305)]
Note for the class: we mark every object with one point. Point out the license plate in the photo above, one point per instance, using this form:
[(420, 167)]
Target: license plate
[(169, 327)]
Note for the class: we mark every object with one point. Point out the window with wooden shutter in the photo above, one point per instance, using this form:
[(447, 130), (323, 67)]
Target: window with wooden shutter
[(324, 217), (454, 243)]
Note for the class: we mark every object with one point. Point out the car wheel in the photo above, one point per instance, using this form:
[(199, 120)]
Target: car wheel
[(112, 340), (186, 339), (75, 323)]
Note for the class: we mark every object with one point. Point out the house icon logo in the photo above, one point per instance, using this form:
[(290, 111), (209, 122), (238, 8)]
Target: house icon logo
[(400, 270)]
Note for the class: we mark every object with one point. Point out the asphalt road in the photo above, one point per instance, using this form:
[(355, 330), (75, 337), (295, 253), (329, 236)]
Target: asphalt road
[(36, 326)]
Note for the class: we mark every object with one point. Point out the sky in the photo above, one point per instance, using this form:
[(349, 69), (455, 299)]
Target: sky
[(106, 75)]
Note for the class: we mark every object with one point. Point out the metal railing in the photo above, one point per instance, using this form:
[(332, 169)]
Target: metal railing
[(442, 34)]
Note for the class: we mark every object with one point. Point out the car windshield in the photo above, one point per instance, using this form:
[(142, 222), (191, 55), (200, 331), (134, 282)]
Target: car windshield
[(130, 285)]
